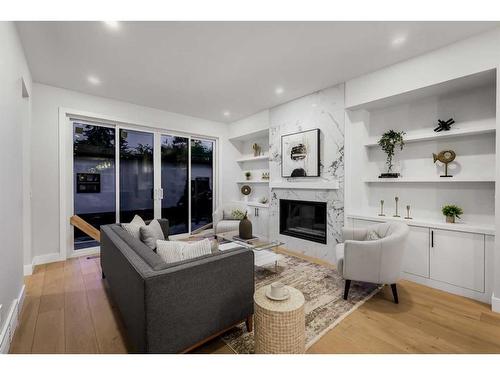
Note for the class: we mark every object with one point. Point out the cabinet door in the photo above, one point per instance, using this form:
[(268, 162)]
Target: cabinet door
[(260, 221), (458, 258), (416, 258)]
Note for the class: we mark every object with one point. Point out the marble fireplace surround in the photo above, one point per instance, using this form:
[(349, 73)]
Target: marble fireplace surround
[(322, 110)]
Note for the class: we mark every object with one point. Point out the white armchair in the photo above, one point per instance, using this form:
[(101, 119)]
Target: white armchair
[(222, 220), (376, 261)]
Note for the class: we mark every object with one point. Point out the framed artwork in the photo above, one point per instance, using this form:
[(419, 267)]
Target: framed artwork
[(300, 154)]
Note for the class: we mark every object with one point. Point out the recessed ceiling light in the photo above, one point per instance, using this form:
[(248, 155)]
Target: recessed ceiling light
[(279, 90), (115, 25), (398, 40), (226, 113), (94, 80)]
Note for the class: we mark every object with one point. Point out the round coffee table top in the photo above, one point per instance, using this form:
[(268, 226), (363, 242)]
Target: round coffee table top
[(294, 302)]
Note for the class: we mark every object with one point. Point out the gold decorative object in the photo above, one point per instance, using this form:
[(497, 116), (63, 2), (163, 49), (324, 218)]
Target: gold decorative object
[(397, 200), (381, 208), (408, 212), (265, 175), (256, 149), (445, 157)]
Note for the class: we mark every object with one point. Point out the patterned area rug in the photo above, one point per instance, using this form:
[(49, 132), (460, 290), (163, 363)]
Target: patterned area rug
[(323, 290)]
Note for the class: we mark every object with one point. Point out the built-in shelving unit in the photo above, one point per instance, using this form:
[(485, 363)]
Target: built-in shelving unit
[(253, 182), (254, 204)]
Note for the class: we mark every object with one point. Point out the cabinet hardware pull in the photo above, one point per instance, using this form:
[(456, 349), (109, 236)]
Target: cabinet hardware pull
[(432, 238)]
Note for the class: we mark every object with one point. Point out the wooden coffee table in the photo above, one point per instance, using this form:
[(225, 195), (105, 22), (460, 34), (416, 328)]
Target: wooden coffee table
[(263, 248)]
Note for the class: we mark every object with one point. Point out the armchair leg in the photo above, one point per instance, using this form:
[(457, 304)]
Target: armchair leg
[(249, 323), (395, 293), (346, 290)]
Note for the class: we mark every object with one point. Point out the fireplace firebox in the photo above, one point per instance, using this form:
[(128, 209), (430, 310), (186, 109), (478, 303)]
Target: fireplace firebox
[(303, 219)]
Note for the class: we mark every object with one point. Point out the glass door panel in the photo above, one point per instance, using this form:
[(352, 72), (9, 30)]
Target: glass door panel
[(175, 182), (136, 175), (202, 173), (94, 188)]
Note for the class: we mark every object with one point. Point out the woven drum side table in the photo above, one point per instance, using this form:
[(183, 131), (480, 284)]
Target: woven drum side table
[(279, 325)]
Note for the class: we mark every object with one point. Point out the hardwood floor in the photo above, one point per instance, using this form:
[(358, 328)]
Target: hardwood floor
[(67, 310)]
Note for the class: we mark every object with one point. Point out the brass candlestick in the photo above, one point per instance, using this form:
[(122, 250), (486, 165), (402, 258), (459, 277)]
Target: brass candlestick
[(397, 200), (381, 208), (408, 212)]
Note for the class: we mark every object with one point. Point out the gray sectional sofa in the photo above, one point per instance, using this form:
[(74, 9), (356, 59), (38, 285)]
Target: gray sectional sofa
[(172, 308)]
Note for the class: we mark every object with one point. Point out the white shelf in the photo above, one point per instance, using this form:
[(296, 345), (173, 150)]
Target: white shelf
[(457, 130), (253, 182), (430, 223), (403, 180), (254, 204), (249, 136), (306, 185), (252, 158)]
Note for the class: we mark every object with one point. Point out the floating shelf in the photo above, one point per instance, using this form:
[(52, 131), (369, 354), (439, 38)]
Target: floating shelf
[(482, 127), (430, 223), (306, 185), (249, 136), (254, 204), (253, 158), (253, 182), (402, 180)]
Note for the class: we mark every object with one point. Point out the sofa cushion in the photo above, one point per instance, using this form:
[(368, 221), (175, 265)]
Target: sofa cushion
[(151, 233), (148, 255), (134, 227), (372, 235), (176, 251)]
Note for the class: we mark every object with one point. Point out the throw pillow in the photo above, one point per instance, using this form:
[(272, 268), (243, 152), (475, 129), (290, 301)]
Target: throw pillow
[(372, 235), (176, 251), (151, 233), (133, 228)]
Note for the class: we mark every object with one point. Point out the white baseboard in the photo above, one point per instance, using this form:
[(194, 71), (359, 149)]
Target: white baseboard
[(28, 269), (10, 325), (495, 303), (88, 252), (47, 258)]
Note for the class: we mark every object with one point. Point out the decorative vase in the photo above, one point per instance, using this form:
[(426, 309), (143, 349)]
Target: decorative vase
[(450, 219), (245, 228)]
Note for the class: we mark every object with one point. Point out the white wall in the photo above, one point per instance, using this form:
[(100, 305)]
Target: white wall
[(14, 112), (253, 123), (45, 149), (466, 57)]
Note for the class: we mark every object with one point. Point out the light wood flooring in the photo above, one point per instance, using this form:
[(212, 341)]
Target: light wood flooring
[(68, 310)]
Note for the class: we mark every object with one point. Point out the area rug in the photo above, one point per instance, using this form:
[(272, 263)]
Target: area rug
[(323, 290)]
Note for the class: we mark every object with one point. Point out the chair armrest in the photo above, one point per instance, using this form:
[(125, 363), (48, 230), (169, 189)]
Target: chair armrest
[(192, 301), (362, 260), (356, 234)]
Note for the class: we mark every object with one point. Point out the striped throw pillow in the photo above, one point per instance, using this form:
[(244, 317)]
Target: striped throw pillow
[(176, 251)]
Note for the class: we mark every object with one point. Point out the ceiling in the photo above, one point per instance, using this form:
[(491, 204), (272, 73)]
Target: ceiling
[(222, 71)]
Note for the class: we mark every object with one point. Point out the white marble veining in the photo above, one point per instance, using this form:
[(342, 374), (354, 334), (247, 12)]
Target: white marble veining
[(323, 110)]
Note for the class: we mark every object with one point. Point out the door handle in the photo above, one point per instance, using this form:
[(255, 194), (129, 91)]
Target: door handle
[(432, 238)]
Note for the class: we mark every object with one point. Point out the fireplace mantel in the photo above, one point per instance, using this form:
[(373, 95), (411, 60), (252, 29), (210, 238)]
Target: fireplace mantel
[(306, 185)]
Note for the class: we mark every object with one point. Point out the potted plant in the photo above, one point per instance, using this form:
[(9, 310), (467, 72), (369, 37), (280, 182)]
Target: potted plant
[(451, 212), (248, 175), (388, 142)]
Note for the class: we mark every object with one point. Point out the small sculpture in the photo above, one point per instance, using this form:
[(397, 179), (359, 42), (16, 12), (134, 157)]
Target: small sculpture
[(263, 200), (381, 208), (445, 157), (444, 125), (397, 200), (248, 175), (408, 212), (256, 149)]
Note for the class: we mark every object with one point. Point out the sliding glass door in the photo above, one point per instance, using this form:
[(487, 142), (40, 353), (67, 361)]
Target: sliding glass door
[(94, 179), (120, 172), (136, 175), (175, 182), (202, 179)]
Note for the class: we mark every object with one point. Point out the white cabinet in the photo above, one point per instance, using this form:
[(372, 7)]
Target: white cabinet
[(457, 258), (260, 220), (416, 258)]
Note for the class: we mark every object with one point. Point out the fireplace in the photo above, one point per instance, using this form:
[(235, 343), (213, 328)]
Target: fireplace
[(303, 219)]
